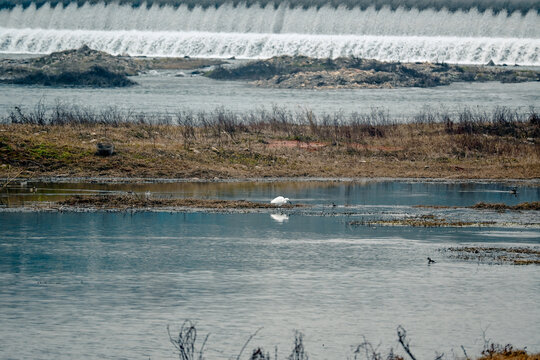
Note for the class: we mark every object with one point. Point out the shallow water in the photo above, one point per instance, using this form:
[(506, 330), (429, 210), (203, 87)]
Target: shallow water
[(376, 192), (106, 285), (164, 93)]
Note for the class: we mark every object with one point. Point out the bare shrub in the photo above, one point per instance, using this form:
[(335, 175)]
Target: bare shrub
[(185, 341), (298, 351), (402, 338), (259, 354)]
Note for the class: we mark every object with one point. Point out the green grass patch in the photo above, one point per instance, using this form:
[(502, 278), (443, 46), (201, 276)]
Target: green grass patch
[(46, 151)]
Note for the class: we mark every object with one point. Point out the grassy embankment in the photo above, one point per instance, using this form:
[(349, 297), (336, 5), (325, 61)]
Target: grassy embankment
[(276, 143)]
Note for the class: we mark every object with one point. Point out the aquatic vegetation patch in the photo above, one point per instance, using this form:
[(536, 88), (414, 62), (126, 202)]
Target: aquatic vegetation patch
[(533, 205), (422, 221), (496, 255), (139, 201)]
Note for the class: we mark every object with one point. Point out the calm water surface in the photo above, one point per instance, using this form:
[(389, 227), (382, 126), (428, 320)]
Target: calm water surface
[(106, 285), (164, 93), (346, 193)]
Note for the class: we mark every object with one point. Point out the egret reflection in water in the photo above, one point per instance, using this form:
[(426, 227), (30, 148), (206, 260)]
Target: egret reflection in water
[(280, 218)]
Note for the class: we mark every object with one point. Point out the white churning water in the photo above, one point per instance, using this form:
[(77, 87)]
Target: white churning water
[(256, 32)]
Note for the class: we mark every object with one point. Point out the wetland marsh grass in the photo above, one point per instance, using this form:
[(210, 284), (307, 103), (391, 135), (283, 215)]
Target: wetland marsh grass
[(272, 142)]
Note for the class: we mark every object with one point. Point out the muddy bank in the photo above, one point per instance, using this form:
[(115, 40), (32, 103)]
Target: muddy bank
[(300, 72), (129, 201), (146, 202), (79, 67), (86, 67)]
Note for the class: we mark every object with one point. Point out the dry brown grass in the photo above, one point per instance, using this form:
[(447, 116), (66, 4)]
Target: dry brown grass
[(507, 352), (515, 355), (241, 148)]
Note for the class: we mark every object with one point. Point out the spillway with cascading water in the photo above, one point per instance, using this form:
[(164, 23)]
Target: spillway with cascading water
[(404, 33)]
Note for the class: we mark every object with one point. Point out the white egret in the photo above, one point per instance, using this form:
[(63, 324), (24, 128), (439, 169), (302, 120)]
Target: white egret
[(280, 200)]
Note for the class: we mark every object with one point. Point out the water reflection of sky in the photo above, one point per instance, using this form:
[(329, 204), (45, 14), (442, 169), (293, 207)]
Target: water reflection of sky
[(367, 192), (106, 285)]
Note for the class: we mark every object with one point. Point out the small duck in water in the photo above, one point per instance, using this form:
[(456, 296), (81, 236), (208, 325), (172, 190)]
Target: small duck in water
[(430, 261)]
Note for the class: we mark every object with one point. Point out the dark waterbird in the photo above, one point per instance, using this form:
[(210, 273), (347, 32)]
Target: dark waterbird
[(430, 261)]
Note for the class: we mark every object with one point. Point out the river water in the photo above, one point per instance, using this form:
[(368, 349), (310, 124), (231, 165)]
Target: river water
[(163, 92), (106, 285)]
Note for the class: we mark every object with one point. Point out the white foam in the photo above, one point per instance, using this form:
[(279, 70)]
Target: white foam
[(256, 32), (253, 46), (283, 20)]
